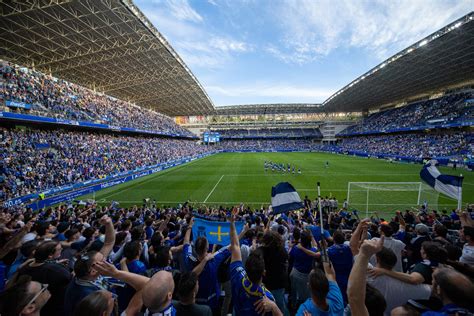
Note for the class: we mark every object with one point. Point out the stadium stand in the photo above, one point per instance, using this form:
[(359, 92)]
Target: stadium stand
[(450, 144), (448, 111), (35, 160), (268, 145), (270, 133), (52, 97)]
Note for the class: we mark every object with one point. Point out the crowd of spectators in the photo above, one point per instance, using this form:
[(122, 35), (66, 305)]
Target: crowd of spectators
[(52, 97), (413, 145), (35, 160), (451, 108), (142, 260), (270, 132), (268, 145)]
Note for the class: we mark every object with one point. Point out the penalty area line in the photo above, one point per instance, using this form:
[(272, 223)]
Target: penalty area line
[(213, 189)]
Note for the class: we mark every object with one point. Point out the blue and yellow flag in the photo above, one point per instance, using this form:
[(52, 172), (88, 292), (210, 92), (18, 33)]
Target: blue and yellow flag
[(217, 233)]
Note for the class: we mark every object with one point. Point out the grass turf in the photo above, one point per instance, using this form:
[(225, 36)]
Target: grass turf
[(231, 178)]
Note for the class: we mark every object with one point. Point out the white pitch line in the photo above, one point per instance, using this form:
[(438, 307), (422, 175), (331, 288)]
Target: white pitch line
[(213, 188)]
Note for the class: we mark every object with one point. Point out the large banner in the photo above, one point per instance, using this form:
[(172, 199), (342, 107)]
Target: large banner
[(217, 233), (18, 105)]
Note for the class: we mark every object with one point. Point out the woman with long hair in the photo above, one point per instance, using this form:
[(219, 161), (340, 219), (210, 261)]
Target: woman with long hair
[(276, 267)]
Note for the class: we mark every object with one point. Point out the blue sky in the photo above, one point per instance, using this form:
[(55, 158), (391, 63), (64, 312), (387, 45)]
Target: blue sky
[(296, 51)]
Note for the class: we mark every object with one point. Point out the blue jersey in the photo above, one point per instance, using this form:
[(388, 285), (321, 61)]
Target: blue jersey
[(244, 292), (209, 288), (334, 300), (342, 259), (316, 231), (301, 261), (126, 293)]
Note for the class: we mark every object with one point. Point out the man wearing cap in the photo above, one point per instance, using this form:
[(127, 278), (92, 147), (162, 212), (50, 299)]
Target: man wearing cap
[(414, 246)]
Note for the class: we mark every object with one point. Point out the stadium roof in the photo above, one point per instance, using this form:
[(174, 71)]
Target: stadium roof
[(260, 109), (107, 45), (442, 60)]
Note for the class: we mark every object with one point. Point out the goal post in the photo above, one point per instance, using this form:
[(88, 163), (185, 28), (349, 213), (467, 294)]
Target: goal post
[(389, 196)]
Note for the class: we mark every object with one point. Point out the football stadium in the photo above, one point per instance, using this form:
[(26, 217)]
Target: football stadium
[(135, 182)]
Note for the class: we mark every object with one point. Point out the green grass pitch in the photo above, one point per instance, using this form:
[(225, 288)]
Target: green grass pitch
[(233, 178)]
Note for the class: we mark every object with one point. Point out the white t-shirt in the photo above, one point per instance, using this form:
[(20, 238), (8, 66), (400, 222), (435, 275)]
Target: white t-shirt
[(397, 293), (467, 254), (397, 247)]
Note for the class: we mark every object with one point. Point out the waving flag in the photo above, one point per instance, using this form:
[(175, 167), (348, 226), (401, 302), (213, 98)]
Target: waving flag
[(217, 233), (285, 198), (446, 184)]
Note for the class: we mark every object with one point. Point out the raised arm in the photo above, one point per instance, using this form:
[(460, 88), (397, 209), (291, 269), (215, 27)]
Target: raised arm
[(134, 280), (164, 223), (187, 235), (109, 236), (358, 236), (234, 239), (358, 277), (466, 220), (15, 241), (242, 233), (329, 271), (401, 221)]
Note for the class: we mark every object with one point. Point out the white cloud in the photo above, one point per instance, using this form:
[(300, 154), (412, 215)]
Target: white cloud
[(190, 35), (229, 45), (311, 29), (181, 10), (210, 53)]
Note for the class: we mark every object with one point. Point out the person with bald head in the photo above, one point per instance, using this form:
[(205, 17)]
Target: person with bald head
[(157, 295), (455, 291)]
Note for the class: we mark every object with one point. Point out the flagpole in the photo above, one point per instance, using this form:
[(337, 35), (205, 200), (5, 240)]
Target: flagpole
[(323, 248), (460, 197), (320, 209)]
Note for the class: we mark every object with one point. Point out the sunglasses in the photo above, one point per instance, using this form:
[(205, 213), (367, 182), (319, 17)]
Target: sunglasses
[(44, 287)]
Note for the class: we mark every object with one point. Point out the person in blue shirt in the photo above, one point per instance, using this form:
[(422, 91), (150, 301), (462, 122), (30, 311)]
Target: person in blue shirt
[(316, 231), (249, 295), (206, 266), (326, 297), (131, 252), (149, 231), (342, 260), (302, 263)]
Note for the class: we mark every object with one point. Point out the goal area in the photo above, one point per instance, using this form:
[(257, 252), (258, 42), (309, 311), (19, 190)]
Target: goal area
[(389, 196)]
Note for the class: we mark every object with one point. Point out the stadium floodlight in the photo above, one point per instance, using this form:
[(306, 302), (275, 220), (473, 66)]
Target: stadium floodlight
[(423, 43)]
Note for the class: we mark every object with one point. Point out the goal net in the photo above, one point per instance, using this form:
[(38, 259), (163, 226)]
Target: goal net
[(389, 196)]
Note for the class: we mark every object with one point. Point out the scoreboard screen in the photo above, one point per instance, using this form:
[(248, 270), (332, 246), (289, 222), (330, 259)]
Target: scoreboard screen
[(211, 137)]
